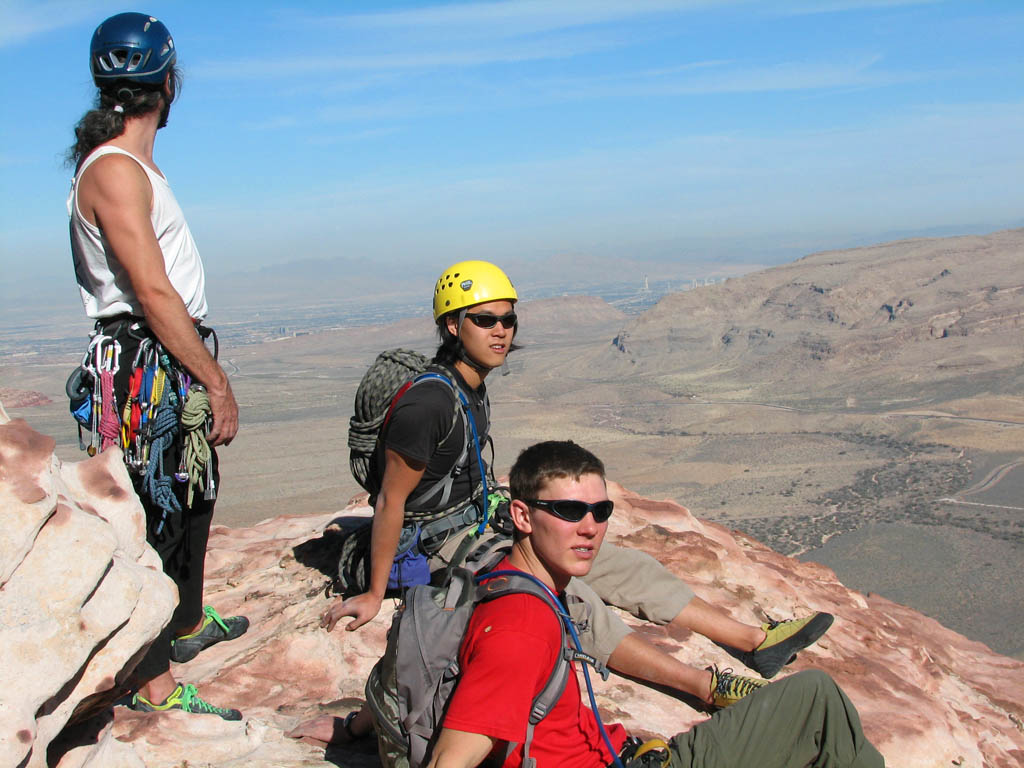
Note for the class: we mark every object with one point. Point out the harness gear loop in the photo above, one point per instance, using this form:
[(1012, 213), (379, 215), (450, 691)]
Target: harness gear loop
[(108, 354), (653, 745)]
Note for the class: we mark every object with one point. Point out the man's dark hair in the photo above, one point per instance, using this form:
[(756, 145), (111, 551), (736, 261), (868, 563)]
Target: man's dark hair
[(542, 462), (103, 123), (449, 348)]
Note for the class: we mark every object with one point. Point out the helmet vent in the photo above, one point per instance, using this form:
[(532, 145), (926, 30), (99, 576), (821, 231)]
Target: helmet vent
[(134, 62)]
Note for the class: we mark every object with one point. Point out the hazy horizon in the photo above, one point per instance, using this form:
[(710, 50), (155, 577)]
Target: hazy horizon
[(408, 135)]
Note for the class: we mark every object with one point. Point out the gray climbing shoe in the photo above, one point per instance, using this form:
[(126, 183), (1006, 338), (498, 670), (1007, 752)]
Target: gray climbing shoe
[(214, 630)]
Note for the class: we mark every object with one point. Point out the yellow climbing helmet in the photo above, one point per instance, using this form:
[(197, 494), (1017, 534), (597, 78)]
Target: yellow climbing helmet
[(468, 283)]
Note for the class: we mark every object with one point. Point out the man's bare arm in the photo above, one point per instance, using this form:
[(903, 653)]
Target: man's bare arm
[(460, 749), (117, 195), (401, 476)]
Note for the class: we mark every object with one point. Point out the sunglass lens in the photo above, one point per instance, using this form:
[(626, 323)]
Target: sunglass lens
[(483, 321), (574, 511), (487, 320)]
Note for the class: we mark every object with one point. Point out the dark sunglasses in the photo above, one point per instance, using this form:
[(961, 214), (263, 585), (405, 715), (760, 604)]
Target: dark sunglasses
[(573, 510), (487, 320)]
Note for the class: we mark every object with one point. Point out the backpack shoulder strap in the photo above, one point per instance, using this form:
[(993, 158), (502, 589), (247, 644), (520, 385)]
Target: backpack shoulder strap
[(460, 405)]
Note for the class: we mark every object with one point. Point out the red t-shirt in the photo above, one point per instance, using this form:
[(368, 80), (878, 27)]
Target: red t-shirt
[(508, 653)]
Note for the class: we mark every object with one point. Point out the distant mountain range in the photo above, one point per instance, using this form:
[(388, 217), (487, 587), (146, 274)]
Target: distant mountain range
[(949, 312)]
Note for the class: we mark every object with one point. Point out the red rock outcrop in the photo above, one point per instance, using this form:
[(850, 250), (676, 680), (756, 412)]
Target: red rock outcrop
[(928, 696)]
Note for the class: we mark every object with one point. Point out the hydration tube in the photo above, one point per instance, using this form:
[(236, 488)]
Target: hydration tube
[(479, 463), (566, 621)]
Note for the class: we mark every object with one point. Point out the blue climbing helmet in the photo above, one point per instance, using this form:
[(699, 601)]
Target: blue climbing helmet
[(131, 46)]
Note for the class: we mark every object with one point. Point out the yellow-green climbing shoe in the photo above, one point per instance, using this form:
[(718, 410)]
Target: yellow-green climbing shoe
[(784, 639), (186, 699), (728, 688)]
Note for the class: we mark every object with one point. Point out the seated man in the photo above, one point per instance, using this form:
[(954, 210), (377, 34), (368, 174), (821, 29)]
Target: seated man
[(560, 510), (421, 445)]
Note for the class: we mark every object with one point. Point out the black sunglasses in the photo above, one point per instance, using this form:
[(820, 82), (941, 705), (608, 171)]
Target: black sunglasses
[(487, 320), (573, 510)]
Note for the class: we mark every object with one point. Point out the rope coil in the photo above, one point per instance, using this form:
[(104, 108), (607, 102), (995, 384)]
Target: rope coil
[(197, 450), (389, 372)]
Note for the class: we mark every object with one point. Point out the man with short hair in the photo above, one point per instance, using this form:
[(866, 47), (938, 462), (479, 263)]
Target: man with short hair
[(142, 280), (560, 509)]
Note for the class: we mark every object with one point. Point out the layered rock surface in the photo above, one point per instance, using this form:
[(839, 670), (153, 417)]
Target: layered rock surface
[(927, 696), (81, 593)]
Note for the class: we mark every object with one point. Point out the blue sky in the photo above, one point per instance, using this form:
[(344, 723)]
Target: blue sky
[(412, 133)]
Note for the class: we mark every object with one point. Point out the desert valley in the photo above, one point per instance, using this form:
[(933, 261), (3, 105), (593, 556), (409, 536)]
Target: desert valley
[(859, 408)]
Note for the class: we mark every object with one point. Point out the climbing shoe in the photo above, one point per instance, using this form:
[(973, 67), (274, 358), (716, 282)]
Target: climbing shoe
[(728, 688), (185, 698), (784, 639), (214, 630)]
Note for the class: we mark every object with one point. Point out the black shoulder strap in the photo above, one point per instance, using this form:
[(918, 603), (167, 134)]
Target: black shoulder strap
[(470, 445)]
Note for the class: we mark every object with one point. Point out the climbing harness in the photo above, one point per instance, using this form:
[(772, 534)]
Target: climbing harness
[(163, 409)]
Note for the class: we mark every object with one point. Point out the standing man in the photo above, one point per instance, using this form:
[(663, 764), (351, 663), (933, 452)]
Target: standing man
[(142, 280)]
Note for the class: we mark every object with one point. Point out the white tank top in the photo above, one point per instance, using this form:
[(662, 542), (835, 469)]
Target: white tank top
[(106, 290)]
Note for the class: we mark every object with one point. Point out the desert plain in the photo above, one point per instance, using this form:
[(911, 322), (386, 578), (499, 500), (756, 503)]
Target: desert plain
[(863, 409)]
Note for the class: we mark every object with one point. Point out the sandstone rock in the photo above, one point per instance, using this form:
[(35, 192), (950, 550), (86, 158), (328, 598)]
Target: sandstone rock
[(81, 594), (928, 696)]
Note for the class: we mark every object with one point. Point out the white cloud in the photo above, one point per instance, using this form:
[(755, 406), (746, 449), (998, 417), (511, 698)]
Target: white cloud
[(808, 7), (516, 17), (425, 58), (21, 21)]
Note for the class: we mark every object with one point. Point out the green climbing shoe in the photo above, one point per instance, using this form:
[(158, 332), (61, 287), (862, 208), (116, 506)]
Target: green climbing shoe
[(728, 688), (784, 639), (185, 698), (214, 630)]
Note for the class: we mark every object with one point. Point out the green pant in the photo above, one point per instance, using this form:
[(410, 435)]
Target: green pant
[(801, 721)]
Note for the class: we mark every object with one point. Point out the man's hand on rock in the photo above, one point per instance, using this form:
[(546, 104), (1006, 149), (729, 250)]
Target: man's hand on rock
[(362, 608)]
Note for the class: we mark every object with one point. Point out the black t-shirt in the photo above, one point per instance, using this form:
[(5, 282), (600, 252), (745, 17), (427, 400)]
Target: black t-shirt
[(421, 429)]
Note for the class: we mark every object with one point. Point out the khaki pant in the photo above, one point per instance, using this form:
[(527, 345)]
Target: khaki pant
[(802, 720), (626, 578)]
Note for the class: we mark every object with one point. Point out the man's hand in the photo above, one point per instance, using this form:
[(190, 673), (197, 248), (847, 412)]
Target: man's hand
[(225, 416), (362, 608)]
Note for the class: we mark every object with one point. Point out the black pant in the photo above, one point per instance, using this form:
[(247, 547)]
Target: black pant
[(179, 538)]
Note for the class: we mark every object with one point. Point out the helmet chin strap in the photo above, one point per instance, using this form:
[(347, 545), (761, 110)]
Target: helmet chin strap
[(463, 355)]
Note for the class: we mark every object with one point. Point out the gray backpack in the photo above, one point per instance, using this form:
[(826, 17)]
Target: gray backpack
[(409, 688)]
